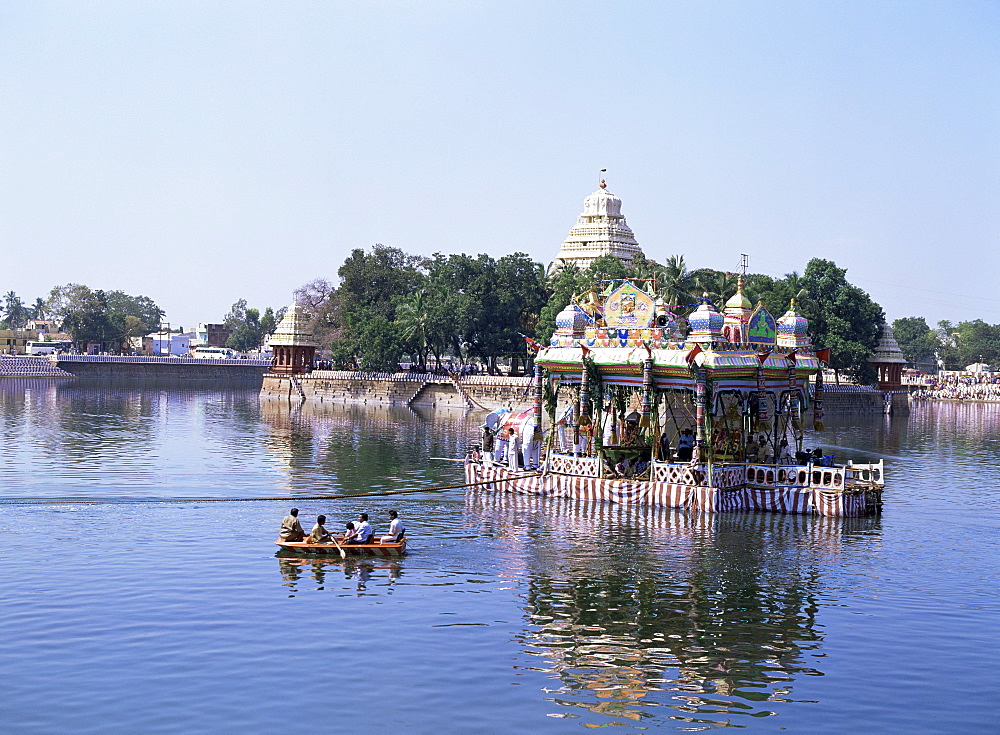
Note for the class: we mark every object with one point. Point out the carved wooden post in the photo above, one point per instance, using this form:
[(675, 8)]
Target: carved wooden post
[(647, 391)]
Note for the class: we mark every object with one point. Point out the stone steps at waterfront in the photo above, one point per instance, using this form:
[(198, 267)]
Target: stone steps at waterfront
[(30, 367)]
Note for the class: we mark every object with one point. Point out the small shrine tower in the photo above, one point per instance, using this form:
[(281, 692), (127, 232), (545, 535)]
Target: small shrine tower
[(889, 361), (293, 344), (600, 230)]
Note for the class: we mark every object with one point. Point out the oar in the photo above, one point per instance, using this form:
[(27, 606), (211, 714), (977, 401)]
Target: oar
[(343, 554)]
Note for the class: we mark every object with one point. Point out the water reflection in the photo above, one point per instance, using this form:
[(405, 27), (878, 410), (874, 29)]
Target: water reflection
[(337, 448), (632, 610), (345, 575)]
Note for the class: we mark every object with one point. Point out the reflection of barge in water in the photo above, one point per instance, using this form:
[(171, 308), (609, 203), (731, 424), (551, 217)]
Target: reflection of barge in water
[(726, 380)]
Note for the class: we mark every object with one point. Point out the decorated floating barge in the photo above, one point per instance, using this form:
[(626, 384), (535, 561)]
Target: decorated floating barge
[(710, 422)]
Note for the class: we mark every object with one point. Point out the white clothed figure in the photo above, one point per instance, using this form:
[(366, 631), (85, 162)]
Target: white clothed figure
[(501, 450), (512, 452)]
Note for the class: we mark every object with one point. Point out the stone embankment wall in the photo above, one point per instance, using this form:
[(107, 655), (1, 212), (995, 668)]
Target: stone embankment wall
[(488, 392), (246, 373), (399, 389), (852, 400)]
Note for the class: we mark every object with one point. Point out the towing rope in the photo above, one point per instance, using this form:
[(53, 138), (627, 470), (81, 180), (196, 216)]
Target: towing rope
[(286, 498)]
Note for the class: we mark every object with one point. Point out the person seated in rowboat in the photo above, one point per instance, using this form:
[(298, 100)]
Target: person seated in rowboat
[(319, 534), (363, 531), (349, 533), (395, 529), (291, 529)]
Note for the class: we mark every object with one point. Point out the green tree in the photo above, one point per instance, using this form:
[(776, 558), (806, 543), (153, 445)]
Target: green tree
[(268, 322), (843, 318), (719, 285), (101, 317), (89, 322), (37, 311), (371, 281), (917, 340), (246, 330), (121, 304), (413, 318), (677, 284), (379, 347), (607, 267), (976, 341), (562, 286), (15, 315)]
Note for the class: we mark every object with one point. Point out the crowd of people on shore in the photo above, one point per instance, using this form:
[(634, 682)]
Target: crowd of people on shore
[(355, 532), (983, 386)]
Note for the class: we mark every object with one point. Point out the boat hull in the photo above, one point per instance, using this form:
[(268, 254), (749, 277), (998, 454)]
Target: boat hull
[(304, 547), (702, 497)]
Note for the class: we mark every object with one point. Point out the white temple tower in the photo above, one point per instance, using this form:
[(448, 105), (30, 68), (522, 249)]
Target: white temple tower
[(600, 230)]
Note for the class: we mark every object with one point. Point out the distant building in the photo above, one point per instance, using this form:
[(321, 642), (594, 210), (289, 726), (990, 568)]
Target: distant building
[(166, 343), (600, 230), (42, 326), (211, 335), (15, 341)]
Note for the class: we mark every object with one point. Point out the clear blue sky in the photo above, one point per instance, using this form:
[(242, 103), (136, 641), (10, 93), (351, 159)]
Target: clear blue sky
[(202, 152)]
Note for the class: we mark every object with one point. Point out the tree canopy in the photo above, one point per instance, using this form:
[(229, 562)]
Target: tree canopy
[(109, 318)]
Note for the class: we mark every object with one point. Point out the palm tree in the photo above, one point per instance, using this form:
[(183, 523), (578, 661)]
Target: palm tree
[(718, 285), (38, 310), (413, 319), (15, 311), (676, 281)]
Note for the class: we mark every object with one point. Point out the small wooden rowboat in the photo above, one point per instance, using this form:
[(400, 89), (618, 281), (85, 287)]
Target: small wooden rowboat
[(395, 548)]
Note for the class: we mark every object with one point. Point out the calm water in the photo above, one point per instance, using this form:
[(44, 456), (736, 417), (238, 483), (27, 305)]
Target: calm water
[(510, 615)]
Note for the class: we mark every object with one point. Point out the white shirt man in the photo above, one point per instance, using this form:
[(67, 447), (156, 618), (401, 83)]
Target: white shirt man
[(362, 530), (395, 529)]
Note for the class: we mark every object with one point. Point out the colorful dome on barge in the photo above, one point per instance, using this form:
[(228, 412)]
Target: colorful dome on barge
[(793, 329), (706, 323)]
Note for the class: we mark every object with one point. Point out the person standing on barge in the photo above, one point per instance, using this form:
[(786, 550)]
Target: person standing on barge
[(513, 450), (501, 451), (488, 445)]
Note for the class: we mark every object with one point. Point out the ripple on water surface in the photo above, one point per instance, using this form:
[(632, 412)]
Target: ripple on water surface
[(511, 614)]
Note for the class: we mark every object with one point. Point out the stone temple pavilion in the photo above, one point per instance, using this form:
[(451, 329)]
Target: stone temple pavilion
[(888, 360), (293, 344)]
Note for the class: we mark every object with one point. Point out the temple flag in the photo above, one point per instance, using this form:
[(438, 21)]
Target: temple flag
[(823, 355), (532, 343), (762, 356), (695, 351), (791, 356), (585, 349)]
